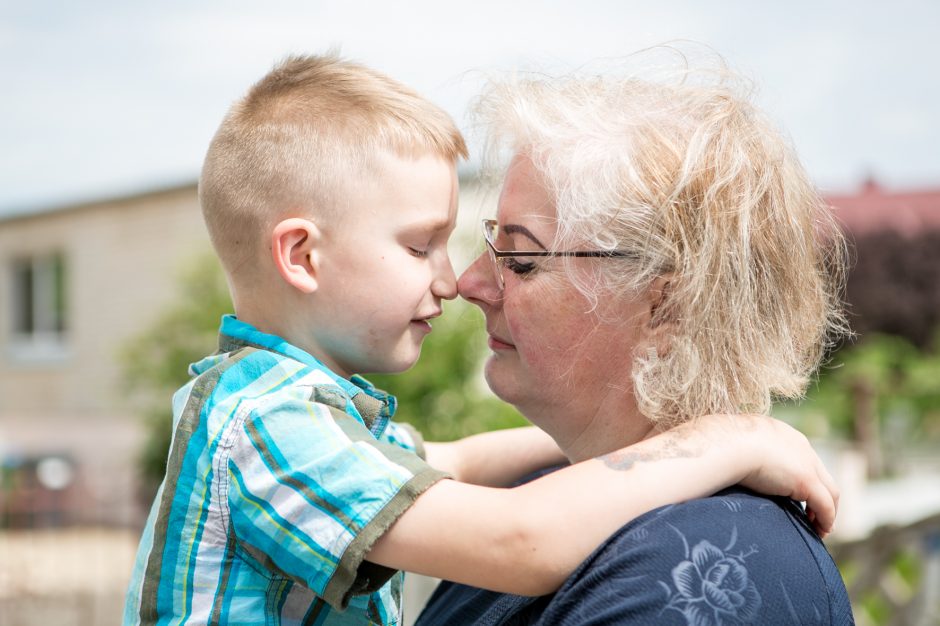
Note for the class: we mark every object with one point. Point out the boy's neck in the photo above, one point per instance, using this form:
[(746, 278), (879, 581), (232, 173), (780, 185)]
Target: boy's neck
[(275, 325)]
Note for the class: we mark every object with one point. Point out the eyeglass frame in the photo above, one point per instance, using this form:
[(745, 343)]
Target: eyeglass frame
[(495, 254)]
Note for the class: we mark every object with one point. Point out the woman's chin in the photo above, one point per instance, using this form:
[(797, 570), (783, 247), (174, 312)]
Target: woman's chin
[(502, 383)]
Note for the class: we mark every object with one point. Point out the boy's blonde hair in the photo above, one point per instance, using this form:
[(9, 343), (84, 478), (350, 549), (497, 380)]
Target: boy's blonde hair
[(682, 170), (305, 131)]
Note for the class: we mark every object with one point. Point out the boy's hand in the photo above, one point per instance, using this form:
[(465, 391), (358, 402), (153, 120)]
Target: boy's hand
[(790, 467), (780, 461)]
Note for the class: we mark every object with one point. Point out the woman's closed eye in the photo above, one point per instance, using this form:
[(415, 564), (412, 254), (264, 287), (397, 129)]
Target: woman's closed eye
[(519, 267), (418, 252)]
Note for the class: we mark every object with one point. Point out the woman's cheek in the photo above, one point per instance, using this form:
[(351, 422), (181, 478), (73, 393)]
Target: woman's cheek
[(531, 325)]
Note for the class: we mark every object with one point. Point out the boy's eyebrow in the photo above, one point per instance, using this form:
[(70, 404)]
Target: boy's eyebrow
[(522, 230), (432, 224)]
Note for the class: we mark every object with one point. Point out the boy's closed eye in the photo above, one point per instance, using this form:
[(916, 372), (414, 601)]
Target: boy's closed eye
[(422, 241)]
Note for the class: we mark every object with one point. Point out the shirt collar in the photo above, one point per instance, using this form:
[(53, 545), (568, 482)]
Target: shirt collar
[(374, 405)]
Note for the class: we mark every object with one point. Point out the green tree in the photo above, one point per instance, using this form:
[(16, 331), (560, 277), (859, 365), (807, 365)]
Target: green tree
[(443, 395), (880, 392), (156, 361)]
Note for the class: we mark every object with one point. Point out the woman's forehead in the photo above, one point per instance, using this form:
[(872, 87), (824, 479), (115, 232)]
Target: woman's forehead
[(524, 198)]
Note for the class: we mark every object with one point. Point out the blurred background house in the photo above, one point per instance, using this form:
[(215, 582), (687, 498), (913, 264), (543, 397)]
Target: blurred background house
[(76, 282)]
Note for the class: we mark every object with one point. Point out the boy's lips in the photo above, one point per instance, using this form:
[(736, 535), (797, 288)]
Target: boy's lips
[(424, 322), (429, 317)]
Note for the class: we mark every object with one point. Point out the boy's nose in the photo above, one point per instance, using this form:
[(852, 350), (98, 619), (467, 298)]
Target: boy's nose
[(445, 283), (478, 284)]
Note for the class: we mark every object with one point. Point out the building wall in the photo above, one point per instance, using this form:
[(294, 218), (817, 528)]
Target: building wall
[(122, 259)]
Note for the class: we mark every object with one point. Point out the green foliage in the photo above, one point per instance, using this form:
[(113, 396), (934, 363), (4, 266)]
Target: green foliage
[(901, 577), (443, 395), (156, 361), (901, 379), (909, 566), (876, 609)]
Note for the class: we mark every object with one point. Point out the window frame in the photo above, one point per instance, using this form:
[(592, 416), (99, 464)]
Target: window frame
[(39, 329)]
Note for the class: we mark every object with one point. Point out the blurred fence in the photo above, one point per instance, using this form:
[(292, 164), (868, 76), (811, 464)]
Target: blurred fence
[(893, 575), (64, 576)]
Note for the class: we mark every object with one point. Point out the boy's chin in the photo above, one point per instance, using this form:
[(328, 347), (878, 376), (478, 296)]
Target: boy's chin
[(397, 366), (400, 368)]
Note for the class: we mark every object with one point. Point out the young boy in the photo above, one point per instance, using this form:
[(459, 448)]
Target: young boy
[(330, 192)]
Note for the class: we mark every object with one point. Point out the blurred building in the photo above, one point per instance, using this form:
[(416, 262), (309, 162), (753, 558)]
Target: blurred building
[(75, 283), (873, 209), (894, 284)]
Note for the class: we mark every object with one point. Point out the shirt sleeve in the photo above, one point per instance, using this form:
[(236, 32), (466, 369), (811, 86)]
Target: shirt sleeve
[(310, 490), (406, 436)]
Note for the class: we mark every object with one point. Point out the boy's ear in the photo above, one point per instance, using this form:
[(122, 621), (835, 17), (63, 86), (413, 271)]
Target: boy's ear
[(294, 247), (662, 317)]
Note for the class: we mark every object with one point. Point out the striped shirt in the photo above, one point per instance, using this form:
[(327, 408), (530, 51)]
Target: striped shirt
[(281, 475)]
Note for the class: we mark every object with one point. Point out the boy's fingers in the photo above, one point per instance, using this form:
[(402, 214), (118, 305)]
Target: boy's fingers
[(825, 521), (829, 482), (821, 502)]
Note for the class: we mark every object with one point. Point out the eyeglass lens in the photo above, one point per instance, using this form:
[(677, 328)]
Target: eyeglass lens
[(489, 235)]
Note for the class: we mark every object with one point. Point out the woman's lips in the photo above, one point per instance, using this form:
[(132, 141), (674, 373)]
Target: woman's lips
[(495, 343)]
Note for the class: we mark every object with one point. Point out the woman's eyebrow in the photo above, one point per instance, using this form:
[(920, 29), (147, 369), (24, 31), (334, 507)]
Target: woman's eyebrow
[(522, 230)]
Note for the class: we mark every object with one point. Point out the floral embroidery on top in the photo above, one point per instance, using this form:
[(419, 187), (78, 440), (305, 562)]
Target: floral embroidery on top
[(712, 585)]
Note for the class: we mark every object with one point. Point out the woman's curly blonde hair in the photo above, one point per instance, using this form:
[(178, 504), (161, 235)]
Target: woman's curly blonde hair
[(685, 172)]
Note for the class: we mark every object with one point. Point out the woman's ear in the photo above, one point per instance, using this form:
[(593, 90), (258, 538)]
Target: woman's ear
[(662, 317), (294, 247)]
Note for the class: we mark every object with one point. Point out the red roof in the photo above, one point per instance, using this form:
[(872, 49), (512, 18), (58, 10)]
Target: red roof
[(874, 209)]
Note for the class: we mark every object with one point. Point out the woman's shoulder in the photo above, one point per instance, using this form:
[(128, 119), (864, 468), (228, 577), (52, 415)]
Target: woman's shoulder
[(754, 530), (736, 551), (732, 507)]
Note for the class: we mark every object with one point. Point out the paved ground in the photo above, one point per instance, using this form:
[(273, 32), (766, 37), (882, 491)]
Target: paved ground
[(77, 577), (64, 577)]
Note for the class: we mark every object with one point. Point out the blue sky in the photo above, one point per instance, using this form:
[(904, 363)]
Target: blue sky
[(103, 98)]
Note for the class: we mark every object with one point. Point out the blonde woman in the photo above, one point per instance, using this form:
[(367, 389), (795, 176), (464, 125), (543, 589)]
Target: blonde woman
[(658, 253)]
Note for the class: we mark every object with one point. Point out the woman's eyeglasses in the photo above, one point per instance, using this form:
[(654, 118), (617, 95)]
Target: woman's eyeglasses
[(498, 257)]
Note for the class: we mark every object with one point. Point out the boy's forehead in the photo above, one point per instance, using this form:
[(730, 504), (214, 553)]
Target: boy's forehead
[(413, 192), (433, 221)]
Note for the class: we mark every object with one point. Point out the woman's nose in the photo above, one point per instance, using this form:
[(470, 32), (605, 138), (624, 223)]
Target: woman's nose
[(478, 284)]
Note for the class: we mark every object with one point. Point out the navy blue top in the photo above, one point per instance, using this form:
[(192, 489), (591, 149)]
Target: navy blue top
[(733, 558)]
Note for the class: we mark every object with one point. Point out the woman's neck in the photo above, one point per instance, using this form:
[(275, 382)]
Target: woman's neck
[(587, 428)]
